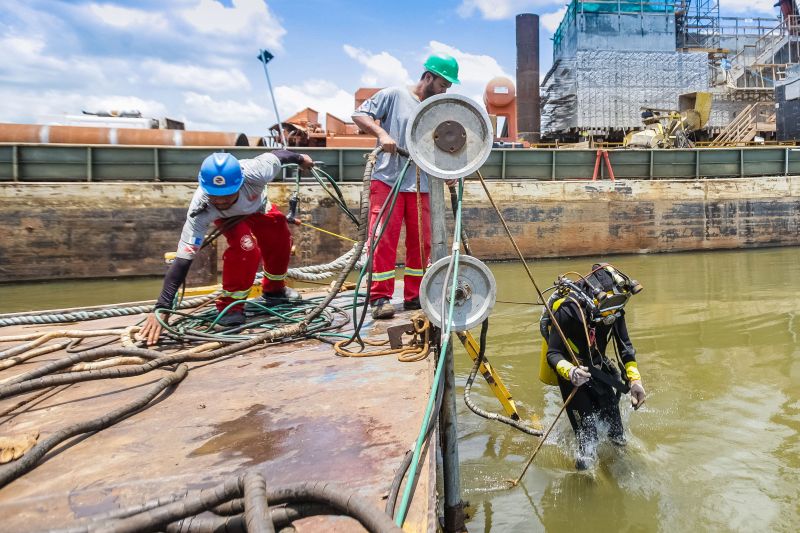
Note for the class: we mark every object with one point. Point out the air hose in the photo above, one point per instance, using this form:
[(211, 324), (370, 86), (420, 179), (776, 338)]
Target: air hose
[(259, 504), (468, 388), (52, 374), (394, 489), (374, 238), (27, 462), (454, 206), (452, 278)]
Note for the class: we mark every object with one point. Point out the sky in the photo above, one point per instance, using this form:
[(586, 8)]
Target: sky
[(195, 60)]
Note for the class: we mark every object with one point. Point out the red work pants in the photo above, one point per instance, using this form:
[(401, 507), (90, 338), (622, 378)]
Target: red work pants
[(405, 210), (259, 237)]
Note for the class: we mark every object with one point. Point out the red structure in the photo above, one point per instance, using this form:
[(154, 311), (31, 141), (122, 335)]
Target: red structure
[(500, 99)]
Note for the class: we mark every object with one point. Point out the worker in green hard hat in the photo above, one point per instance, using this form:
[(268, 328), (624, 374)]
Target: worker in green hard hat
[(386, 115)]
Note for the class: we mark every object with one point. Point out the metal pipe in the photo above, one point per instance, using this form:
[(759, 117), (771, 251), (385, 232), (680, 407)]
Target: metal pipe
[(15, 162), (528, 114), (448, 423), (37, 133), (88, 163)]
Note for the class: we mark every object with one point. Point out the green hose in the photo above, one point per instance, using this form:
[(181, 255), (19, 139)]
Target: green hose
[(366, 268), (405, 503)]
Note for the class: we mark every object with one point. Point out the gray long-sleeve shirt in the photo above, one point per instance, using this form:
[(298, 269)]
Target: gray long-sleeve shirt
[(394, 106)]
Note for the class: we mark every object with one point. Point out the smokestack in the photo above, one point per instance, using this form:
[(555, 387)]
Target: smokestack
[(529, 119)]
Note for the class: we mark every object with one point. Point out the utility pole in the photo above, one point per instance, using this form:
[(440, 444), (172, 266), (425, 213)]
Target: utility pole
[(448, 425), (265, 57)]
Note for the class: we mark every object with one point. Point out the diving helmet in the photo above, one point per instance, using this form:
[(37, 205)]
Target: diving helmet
[(609, 290), (602, 293)]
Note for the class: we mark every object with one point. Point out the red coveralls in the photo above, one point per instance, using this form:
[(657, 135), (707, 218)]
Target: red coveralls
[(405, 210), (258, 237)]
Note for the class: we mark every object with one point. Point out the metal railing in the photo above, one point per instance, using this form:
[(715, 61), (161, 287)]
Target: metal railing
[(22, 163), (766, 59)]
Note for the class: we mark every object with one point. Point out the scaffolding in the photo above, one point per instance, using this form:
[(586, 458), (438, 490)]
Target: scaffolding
[(698, 25), (611, 58), (762, 64)]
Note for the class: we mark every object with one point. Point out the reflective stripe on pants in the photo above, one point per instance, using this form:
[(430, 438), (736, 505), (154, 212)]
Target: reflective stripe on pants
[(405, 211), (259, 237)]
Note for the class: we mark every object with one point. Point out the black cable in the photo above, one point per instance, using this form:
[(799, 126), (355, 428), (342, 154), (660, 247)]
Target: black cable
[(326, 496), (374, 238), (454, 207), (394, 489), (30, 460), (468, 387)]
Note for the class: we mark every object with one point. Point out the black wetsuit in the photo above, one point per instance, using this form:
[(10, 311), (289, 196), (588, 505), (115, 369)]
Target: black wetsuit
[(595, 400)]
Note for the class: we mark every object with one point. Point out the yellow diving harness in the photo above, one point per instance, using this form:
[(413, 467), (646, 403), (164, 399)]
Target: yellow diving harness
[(601, 305)]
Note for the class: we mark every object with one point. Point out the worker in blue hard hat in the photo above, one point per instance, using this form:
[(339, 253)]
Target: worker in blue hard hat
[(386, 116), (230, 195)]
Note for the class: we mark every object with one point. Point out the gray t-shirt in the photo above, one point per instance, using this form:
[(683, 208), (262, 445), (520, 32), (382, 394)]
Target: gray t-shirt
[(257, 173), (394, 106)]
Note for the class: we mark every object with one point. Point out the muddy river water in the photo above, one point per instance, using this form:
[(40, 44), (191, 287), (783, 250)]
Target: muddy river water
[(715, 448)]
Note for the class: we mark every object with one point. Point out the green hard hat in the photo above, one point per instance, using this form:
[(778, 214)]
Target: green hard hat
[(443, 65)]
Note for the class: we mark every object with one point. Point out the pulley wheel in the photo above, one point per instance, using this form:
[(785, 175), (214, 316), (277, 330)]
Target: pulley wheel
[(449, 136), (476, 292)]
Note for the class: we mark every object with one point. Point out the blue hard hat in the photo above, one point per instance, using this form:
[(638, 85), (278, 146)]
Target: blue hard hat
[(220, 174)]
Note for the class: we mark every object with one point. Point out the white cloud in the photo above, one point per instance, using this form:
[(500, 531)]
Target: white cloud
[(383, 69), (32, 66), (124, 17), (502, 9), (551, 21), (192, 60), (471, 67), (244, 18), (196, 77), (320, 95), (48, 105), (749, 7), (225, 114), (474, 70), (42, 103), (148, 107)]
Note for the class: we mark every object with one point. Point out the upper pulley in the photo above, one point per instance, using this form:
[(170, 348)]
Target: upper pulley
[(449, 136)]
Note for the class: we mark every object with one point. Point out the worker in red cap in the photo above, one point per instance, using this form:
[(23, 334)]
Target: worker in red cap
[(386, 116), (231, 195)]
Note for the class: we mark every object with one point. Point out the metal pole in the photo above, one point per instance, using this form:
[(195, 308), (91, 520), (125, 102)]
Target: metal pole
[(448, 424), (264, 56), (15, 162)]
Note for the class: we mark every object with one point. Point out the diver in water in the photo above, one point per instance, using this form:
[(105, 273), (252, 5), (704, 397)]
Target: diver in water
[(590, 313)]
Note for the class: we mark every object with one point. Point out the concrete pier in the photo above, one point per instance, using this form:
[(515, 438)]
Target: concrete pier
[(95, 230)]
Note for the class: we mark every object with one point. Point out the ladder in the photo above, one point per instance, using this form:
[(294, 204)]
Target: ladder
[(743, 129)]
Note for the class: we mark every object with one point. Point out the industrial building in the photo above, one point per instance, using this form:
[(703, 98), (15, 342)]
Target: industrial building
[(614, 59)]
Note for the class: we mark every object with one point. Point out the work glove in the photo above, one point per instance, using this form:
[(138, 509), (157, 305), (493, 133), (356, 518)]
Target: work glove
[(579, 375), (637, 393)]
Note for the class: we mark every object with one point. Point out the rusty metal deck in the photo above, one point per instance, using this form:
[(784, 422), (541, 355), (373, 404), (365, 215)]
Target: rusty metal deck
[(295, 412)]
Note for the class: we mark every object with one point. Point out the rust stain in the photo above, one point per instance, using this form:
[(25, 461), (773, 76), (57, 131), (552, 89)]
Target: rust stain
[(257, 437), (87, 504), (249, 436)]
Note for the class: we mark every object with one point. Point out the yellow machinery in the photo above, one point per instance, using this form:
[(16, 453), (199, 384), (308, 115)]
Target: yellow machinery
[(492, 378), (665, 128)]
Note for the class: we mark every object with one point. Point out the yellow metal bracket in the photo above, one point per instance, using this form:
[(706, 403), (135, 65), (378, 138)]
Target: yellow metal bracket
[(492, 378)]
